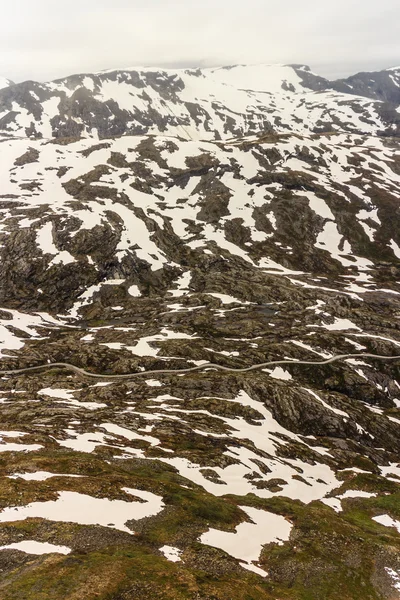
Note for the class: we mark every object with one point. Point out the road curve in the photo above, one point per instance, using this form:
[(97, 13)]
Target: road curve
[(272, 363)]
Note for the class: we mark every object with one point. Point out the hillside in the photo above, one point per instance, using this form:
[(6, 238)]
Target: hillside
[(178, 228)]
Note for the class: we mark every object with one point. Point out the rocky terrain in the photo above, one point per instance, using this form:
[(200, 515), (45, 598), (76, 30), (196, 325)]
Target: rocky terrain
[(154, 220), (206, 104), (379, 85)]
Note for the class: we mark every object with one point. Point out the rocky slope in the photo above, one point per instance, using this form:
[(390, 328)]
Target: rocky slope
[(379, 85), (168, 250)]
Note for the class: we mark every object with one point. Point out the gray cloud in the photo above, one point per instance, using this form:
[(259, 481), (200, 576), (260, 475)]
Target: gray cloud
[(44, 39)]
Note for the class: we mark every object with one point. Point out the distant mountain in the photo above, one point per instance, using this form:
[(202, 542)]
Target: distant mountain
[(210, 104), (378, 85)]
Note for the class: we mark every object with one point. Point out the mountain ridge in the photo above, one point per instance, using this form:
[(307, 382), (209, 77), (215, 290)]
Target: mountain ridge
[(215, 103), (155, 68)]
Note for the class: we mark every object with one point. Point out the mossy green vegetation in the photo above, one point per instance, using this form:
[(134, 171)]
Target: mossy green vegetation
[(125, 572), (330, 556), (333, 556)]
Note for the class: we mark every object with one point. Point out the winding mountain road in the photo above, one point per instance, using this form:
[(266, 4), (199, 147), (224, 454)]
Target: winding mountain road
[(273, 363)]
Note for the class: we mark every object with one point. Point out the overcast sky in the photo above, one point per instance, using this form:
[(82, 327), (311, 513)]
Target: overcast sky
[(45, 39)]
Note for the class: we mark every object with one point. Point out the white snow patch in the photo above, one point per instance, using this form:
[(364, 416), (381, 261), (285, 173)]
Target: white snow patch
[(319, 206), (395, 248), (310, 349), (387, 521), (37, 548), (172, 554), (333, 503), (57, 393), (226, 299), (280, 373), (357, 494), (182, 285), (328, 406), (83, 442), (10, 447), (249, 538), (71, 507), (128, 434), (134, 291), (39, 476), (395, 576), (341, 325), (143, 348), (44, 239)]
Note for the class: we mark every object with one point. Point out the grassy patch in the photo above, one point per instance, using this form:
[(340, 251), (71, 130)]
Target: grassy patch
[(123, 573)]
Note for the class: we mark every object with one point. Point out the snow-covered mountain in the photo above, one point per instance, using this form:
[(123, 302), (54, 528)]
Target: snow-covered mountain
[(379, 85), (154, 219), (207, 104)]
